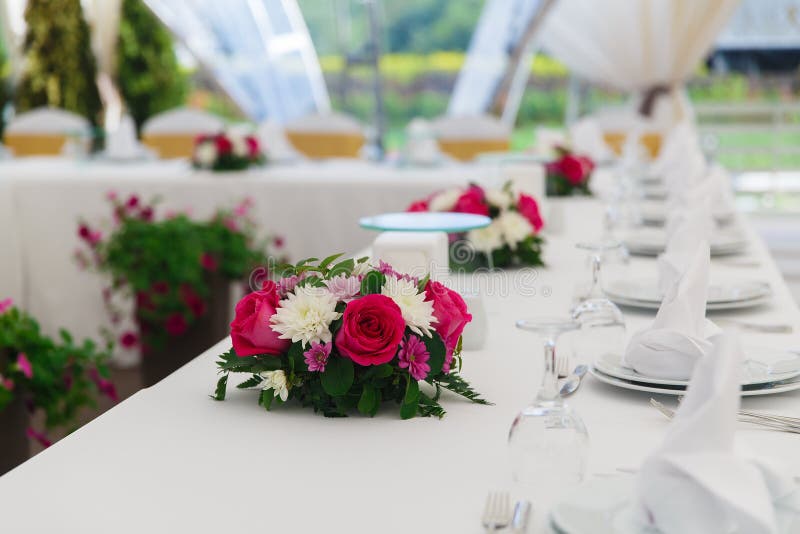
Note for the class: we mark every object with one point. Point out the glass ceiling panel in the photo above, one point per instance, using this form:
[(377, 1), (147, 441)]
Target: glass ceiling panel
[(258, 51)]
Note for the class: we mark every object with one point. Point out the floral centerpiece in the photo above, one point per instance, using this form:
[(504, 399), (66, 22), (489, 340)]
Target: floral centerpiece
[(58, 377), (348, 336), (569, 174), (168, 274), (226, 151), (513, 237)]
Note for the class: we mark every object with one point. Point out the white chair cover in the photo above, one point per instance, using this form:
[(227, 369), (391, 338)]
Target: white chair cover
[(182, 121), (46, 121)]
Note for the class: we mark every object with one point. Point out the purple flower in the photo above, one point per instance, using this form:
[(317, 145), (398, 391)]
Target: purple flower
[(317, 356), (5, 305), (343, 287), (414, 356), (386, 269)]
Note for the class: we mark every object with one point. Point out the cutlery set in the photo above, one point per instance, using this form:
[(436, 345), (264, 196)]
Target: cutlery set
[(498, 515)]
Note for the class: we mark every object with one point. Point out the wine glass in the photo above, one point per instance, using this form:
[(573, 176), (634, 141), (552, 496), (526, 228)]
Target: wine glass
[(548, 442), (602, 325)]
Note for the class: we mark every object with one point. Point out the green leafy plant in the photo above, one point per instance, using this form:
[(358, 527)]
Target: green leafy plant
[(346, 368), (57, 376), (60, 69), (148, 74), (166, 265)]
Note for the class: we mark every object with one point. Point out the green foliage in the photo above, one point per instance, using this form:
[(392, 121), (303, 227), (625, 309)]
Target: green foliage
[(148, 75), (60, 69), (168, 264), (345, 386), (66, 375)]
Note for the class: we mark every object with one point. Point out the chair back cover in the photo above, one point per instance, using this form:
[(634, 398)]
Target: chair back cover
[(171, 134), (326, 135), (465, 136), (44, 131)]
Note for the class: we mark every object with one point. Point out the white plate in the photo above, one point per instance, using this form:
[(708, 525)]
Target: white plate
[(611, 365), (655, 214), (425, 222), (771, 388), (645, 291), (655, 192), (604, 505), (651, 242), (718, 306)]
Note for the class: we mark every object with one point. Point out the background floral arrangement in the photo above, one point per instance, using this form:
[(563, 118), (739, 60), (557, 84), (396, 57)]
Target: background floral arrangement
[(226, 151), (164, 266), (57, 376), (345, 336), (569, 174), (512, 237)]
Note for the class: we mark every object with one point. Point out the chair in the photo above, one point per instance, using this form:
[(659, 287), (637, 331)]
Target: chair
[(44, 131), (465, 137), (172, 134), (326, 135)]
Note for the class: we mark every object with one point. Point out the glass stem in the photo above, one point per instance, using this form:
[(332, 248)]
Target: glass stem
[(597, 288), (549, 390)]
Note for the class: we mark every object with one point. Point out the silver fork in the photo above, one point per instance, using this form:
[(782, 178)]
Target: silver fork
[(784, 424), (497, 512)]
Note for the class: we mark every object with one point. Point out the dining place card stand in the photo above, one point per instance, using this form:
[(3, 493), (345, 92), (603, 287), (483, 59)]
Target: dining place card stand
[(13, 425), (160, 361)]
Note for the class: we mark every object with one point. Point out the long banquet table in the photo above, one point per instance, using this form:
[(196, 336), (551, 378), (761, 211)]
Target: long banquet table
[(43, 199), (170, 459)]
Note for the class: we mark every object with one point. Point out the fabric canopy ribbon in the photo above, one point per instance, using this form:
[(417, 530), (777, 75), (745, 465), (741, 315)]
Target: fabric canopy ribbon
[(650, 96)]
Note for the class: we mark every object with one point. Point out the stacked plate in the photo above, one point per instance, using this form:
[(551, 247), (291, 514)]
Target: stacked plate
[(765, 372), (606, 506), (652, 242), (655, 192), (729, 295), (655, 214)]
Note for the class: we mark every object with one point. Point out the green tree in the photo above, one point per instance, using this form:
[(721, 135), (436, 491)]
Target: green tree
[(60, 70), (148, 74)]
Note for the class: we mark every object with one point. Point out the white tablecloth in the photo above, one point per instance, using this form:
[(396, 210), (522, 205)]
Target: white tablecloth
[(315, 207), (169, 459)]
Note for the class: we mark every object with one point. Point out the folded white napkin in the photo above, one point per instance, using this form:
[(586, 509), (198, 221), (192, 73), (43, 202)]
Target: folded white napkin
[(696, 482), (712, 192), (122, 143), (678, 337), (587, 138), (687, 172), (677, 142), (686, 229)]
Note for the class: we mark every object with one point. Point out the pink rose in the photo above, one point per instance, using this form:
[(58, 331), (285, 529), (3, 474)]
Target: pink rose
[(250, 330), (472, 200), (372, 328), (451, 315), (528, 208), (573, 169), (419, 205)]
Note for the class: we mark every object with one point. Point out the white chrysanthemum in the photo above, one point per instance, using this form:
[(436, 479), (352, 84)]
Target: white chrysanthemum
[(444, 201), (487, 239), (306, 315), (239, 145), (417, 312), (276, 381), (499, 198), (206, 154), (515, 227)]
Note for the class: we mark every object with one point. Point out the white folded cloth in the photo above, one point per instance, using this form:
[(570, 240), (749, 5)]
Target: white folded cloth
[(712, 192), (687, 172), (679, 335), (686, 229), (122, 143), (696, 482), (587, 138), (679, 139)]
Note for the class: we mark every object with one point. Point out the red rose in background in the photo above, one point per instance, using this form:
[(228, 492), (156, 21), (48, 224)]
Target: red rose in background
[(192, 300), (176, 324), (588, 165), (573, 169), (528, 208), (253, 149), (419, 205), (224, 145), (251, 331), (209, 262), (473, 200), (451, 315), (372, 328)]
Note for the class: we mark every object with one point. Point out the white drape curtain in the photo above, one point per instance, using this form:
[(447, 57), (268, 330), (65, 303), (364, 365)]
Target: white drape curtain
[(635, 45)]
